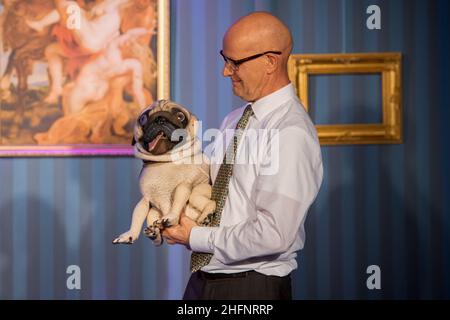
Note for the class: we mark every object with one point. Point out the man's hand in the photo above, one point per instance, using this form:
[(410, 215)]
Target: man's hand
[(180, 233)]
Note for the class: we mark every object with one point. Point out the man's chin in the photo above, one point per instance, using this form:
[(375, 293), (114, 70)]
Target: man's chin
[(238, 92)]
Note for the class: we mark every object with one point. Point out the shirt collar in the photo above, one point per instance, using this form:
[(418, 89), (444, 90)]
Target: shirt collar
[(269, 103)]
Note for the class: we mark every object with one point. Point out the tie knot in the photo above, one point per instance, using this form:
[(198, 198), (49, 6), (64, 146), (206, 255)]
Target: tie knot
[(242, 123), (248, 112)]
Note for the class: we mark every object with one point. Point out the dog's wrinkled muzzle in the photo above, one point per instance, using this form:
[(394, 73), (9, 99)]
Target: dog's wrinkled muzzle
[(161, 129), (154, 129)]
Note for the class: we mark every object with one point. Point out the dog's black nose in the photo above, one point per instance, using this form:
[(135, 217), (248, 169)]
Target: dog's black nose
[(160, 120)]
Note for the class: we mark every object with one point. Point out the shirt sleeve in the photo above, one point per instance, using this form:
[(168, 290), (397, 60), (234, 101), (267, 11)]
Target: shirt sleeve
[(281, 202)]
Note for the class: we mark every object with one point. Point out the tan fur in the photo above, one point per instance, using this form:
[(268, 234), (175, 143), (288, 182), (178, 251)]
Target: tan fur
[(167, 187)]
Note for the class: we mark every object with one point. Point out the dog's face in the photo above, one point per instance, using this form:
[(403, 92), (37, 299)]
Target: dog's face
[(162, 126)]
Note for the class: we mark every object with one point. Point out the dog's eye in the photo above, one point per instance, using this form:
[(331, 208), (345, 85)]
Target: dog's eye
[(143, 120), (181, 116)]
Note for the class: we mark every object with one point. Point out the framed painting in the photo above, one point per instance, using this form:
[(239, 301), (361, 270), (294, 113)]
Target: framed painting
[(386, 66), (75, 74)]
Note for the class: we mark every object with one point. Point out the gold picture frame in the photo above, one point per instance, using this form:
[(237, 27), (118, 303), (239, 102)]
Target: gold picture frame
[(387, 64), (153, 56)]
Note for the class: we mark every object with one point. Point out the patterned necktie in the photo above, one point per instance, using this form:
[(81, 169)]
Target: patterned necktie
[(220, 188)]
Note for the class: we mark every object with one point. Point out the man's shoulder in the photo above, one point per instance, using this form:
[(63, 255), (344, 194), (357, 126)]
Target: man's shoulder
[(236, 112), (291, 114), (292, 119)]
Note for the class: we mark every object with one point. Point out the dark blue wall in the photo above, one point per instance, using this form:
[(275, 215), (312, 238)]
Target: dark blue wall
[(386, 205)]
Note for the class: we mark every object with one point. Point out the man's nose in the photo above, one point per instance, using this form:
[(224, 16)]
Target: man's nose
[(226, 72)]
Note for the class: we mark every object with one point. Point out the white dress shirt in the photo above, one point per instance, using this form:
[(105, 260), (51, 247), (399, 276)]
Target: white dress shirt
[(276, 177)]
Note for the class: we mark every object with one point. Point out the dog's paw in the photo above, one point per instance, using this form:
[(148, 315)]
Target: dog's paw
[(207, 221), (152, 232), (158, 240), (162, 223), (125, 238), (167, 221)]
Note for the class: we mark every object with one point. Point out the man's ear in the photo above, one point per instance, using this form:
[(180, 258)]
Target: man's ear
[(133, 141), (272, 63)]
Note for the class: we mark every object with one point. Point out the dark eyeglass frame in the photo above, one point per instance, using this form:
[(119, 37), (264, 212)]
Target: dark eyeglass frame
[(236, 63)]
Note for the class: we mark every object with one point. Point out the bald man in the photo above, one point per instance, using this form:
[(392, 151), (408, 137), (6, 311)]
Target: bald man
[(249, 250)]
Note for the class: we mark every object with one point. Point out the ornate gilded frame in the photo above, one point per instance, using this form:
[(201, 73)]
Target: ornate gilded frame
[(162, 92), (388, 65), (163, 49)]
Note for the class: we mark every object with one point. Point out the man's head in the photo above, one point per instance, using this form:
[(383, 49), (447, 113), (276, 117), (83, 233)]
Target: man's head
[(268, 42)]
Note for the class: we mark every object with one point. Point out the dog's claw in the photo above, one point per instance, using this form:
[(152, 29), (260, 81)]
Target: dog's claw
[(207, 220), (162, 224), (117, 241), (166, 223), (157, 224), (151, 233), (125, 238)]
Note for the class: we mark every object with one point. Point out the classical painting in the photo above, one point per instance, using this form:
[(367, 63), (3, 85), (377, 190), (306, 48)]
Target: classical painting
[(75, 74)]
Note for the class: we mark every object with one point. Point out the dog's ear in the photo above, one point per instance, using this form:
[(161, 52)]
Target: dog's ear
[(133, 141)]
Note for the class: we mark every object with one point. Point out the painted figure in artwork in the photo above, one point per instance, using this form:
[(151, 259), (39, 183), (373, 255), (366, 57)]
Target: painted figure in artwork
[(82, 63)]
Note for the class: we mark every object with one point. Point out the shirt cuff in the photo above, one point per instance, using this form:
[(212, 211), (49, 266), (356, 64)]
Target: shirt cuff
[(201, 239)]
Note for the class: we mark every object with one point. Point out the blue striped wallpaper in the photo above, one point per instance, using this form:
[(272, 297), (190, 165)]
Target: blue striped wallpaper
[(386, 205)]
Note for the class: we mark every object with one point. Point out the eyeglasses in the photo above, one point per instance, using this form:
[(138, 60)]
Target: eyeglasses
[(234, 64)]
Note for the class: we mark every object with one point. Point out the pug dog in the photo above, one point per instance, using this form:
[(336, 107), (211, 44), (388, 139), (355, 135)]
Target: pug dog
[(175, 172)]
